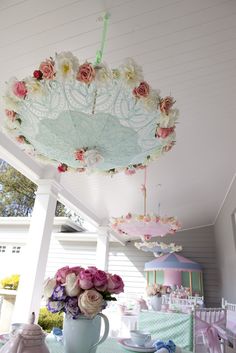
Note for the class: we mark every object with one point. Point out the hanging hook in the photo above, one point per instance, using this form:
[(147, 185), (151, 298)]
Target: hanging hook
[(99, 53)]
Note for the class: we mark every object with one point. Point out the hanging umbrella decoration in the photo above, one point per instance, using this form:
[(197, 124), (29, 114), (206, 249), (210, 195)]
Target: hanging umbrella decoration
[(83, 116), (145, 225), (158, 248)]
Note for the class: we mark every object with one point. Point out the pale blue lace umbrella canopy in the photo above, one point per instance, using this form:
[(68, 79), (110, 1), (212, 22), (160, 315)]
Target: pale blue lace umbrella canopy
[(88, 117)]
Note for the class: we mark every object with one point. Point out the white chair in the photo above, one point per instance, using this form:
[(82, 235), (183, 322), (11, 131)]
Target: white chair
[(231, 321), (209, 329)]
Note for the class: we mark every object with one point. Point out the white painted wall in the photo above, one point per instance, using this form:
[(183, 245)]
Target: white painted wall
[(226, 246)]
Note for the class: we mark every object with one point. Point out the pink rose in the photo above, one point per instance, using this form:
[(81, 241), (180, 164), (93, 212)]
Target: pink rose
[(100, 280), (115, 284), (164, 132), (90, 302), (86, 73), (86, 279), (79, 154), (19, 89), (128, 216), (21, 139), (166, 104), (10, 114), (76, 270), (93, 269), (62, 273), (142, 90), (130, 171), (47, 69), (62, 168)]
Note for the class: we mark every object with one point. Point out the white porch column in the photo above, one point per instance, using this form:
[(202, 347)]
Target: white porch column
[(102, 252), (36, 252)]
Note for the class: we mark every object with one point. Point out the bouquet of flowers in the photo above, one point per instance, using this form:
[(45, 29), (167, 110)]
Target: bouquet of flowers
[(78, 291), (158, 290)]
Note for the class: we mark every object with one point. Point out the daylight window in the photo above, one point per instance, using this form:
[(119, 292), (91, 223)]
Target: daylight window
[(2, 248), (16, 249)]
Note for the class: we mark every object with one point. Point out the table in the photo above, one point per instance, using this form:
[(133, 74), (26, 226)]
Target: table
[(109, 346), (164, 326)]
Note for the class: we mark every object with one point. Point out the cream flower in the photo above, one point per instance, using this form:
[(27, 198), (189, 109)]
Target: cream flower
[(92, 157), (131, 73), (49, 286), (90, 302), (103, 74), (72, 287), (152, 100), (11, 103), (34, 87), (168, 120), (67, 65)]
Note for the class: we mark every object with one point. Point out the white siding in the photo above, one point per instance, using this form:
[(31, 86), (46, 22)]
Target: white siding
[(71, 253)]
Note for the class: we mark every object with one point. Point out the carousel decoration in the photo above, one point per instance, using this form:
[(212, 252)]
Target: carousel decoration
[(83, 116), (145, 225), (158, 248)]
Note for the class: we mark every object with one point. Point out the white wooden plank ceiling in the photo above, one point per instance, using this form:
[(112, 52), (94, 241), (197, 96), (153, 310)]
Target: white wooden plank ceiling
[(186, 47)]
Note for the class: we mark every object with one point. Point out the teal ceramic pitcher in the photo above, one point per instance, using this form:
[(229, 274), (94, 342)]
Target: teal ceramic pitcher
[(83, 335)]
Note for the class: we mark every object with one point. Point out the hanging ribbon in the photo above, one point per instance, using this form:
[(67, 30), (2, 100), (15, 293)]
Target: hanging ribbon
[(99, 53)]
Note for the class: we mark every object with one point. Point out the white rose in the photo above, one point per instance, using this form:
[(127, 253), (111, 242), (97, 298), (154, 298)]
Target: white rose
[(49, 286), (71, 286), (90, 302)]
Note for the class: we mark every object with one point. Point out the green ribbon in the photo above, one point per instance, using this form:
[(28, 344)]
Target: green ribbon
[(99, 53)]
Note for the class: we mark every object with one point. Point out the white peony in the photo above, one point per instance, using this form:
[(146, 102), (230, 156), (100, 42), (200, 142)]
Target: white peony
[(131, 73), (49, 286), (67, 65), (11, 103), (168, 120), (152, 101)]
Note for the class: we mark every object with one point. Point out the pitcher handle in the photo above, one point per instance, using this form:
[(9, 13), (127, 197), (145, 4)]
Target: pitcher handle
[(106, 330)]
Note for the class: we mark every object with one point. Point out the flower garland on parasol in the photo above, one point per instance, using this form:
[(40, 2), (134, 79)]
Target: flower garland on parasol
[(158, 248), (145, 225), (88, 117)]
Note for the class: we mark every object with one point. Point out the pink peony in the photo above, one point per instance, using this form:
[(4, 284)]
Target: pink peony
[(142, 91), (47, 69), (86, 279), (164, 132), (100, 280), (86, 73), (166, 104), (115, 284), (10, 114), (19, 89)]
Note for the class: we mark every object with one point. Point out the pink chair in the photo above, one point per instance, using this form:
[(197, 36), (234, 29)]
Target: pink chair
[(209, 330)]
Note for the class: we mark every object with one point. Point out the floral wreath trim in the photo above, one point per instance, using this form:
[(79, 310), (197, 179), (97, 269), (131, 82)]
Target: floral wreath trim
[(171, 221), (169, 248), (66, 66)]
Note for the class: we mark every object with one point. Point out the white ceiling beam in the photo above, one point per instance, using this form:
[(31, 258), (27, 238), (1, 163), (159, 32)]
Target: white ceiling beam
[(18, 159)]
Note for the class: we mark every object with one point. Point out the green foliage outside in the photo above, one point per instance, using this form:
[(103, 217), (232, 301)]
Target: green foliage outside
[(48, 320), (17, 195), (10, 282)]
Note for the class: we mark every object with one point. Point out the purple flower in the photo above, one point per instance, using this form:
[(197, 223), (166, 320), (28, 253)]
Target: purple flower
[(71, 307), (59, 293), (55, 306)]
